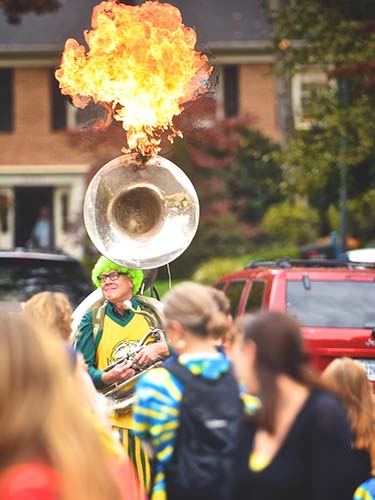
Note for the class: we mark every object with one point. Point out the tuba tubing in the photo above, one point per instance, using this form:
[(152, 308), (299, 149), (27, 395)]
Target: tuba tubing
[(156, 335)]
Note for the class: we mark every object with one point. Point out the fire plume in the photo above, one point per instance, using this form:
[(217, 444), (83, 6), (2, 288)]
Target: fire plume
[(140, 62)]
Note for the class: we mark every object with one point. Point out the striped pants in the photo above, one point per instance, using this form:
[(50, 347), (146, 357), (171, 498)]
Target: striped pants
[(134, 450)]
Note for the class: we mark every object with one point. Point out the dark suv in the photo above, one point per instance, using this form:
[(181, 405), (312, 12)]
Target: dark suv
[(334, 302), (24, 273)]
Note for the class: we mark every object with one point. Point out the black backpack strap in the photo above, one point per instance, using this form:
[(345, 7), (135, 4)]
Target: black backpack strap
[(180, 371)]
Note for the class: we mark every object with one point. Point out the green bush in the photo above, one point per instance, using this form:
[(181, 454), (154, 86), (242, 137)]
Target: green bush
[(360, 217), (294, 223), (211, 270)]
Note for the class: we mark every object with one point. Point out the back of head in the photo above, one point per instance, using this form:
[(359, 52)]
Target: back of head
[(348, 379), (51, 311), (278, 341), (221, 300), (31, 369), (279, 351), (42, 418), (194, 307)]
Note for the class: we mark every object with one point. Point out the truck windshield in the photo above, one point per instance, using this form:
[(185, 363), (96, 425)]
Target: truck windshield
[(332, 304)]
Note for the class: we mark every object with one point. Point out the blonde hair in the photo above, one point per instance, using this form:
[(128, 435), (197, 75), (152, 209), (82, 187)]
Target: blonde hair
[(194, 307), (51, 310), (221, 300), (41, 416), (348, 379)]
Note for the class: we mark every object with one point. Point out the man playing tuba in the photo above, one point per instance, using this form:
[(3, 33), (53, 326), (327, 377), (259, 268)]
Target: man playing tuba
[(106, 333)]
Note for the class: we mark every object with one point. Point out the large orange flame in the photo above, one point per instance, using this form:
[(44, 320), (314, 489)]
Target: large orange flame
[(141, 61)]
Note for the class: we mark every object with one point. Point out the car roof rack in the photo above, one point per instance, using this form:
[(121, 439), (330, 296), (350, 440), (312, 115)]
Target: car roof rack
[(287, 263)]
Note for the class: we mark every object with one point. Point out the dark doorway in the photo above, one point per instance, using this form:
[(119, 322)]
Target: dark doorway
[(29, 201)]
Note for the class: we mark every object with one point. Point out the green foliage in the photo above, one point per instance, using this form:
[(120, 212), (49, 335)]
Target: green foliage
[(162, 287), (233, 163), (210, 271), (361, 216), (338, 38), (291, 223), (218, 235), (325, 32), (253, 178), (338, 135), (236, 178), (333, 214)]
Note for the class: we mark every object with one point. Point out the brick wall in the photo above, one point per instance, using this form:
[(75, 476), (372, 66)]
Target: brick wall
[(258, 97), (33, 141)]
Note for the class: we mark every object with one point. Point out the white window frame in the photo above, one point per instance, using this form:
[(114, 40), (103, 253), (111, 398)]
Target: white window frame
[(71, 117), (6, 238), (317, 76)]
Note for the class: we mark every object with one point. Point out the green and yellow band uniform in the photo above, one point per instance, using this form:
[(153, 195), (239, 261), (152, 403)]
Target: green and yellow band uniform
[(99, 352)]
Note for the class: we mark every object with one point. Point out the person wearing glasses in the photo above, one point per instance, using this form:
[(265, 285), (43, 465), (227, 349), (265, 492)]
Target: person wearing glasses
[(102, 330)]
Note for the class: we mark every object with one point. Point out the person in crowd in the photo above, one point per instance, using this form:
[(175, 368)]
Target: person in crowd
[(49, 446), (298, 444), (53, 311), (41, 234), (347, 378), (223, 305), (366, 490), (193, 320), (103, 329)]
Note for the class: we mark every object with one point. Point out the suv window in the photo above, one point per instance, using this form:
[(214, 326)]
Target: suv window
[(255, 299), (221, 285), (20, 278), (234, 293), (334, 304)]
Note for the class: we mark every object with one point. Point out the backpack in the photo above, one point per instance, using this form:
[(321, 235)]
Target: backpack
[(201, 464)]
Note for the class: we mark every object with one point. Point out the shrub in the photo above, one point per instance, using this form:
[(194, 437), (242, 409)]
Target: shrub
[(211, 270), (293, 223)]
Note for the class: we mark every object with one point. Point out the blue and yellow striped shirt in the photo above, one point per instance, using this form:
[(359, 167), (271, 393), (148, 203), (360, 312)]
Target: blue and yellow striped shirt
[(156, 409)]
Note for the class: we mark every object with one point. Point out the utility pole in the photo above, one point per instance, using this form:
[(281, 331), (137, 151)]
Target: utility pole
[(344, 101)]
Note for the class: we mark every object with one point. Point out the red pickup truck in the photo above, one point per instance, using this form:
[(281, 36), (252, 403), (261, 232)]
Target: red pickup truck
[(334, 302)]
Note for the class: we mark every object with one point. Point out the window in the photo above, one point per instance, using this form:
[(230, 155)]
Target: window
[(230, 76), (332, 304), (255, 298), (4, 212), (65, 115), (6, 99), (84, 118), (303, 84), (58, 105), (234, 294), (221, 285)]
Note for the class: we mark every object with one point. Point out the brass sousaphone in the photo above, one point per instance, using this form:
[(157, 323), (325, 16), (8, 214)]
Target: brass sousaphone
[(141, 213)]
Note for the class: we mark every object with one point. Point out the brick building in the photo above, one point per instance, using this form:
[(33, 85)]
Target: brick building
[(39, 166)]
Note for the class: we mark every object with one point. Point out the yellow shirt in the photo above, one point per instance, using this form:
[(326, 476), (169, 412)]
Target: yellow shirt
[(114, 340)]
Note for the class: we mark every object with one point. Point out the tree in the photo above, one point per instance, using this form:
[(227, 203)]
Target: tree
[(339, 37), (232, 168)]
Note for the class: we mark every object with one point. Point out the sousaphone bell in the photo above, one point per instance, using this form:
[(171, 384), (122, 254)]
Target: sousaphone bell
[(141, 212)]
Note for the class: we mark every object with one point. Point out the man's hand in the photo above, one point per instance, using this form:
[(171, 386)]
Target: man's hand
[(119, 373), (151, 353)]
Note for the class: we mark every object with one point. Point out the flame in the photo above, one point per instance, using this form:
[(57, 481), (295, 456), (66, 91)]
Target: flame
[(142, 63)]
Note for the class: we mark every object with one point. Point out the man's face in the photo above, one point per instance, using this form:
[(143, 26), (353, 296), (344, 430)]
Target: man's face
[(117, 290)]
